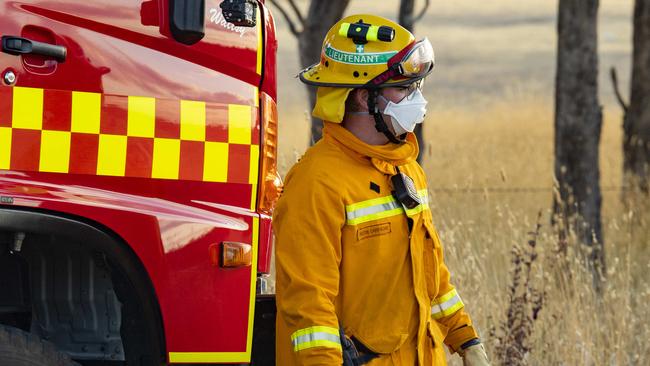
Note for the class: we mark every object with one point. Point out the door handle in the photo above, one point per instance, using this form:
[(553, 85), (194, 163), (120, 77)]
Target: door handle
[(19, 46)]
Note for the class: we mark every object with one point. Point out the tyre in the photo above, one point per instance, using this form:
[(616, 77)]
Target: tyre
[(19, 348)]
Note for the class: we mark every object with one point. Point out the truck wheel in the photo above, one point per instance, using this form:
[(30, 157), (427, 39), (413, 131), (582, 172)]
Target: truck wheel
[(19, 348)]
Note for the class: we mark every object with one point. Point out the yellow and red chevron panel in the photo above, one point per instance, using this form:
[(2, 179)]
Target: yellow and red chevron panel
[(60, 131)]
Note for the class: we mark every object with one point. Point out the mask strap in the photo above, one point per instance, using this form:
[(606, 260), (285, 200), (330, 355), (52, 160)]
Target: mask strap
[(359, 113), (380, 124)]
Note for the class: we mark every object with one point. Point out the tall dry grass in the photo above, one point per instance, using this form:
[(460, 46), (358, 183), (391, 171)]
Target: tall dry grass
[(490, 176)]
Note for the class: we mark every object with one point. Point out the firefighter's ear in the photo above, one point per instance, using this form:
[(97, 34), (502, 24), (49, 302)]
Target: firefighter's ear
[(357, 101), (362, 95)]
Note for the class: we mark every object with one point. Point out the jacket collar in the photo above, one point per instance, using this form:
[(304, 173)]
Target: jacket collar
[(383, 157)]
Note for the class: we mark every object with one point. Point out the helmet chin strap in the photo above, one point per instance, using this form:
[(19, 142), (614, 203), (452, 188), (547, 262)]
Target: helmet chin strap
[(380, 124)]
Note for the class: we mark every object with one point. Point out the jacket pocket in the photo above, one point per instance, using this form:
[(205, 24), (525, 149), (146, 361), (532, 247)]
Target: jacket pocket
[(438, 333), (382, 343), (431, 260), (431, 233)]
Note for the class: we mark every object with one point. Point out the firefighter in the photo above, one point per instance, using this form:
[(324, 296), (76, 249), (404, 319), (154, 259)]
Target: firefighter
[(356, 249)]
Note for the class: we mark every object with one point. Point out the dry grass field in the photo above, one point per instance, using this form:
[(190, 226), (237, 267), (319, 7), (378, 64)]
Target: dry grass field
[(489, 160)]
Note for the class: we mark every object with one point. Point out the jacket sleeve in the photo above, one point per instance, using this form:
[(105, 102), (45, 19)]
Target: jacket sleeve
[(448, 308), (307, 224)]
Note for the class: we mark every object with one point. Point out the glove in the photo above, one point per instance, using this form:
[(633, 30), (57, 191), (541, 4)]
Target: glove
[(474, 356)]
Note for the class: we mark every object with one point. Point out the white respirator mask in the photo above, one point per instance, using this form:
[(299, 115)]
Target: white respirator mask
[(406, 114)]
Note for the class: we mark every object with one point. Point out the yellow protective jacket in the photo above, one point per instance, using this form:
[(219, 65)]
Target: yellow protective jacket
[(348, 253)]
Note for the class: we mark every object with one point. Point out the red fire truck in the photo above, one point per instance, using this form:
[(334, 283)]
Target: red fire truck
[(137, 178)]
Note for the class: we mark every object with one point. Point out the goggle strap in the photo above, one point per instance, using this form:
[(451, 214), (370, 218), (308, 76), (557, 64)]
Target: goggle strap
[(394, 67), (380, 79)]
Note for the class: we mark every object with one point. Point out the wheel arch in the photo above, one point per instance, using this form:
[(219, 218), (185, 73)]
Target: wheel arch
[(120, 254)]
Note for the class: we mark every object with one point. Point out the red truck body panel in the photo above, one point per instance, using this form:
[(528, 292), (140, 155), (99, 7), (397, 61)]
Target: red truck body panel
[(153, 139)]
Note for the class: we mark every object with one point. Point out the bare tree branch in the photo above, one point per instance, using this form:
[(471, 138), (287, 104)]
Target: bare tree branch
[(422, 12), (285, 14), (619, 97), (405, 15), (293, 5)]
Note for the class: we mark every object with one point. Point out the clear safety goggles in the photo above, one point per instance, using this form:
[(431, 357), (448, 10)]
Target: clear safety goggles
[(418, 61), (407, 89), (413, 62)]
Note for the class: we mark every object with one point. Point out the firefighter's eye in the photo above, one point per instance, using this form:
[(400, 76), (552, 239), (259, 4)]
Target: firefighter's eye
[(408, 89)]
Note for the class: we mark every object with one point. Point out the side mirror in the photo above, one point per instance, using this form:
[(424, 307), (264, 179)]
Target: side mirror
[(187, 20)]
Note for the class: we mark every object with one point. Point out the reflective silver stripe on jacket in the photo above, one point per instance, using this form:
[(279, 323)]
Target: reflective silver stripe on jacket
[(316, 336), (446, 305), (382, 207), (380, 210)]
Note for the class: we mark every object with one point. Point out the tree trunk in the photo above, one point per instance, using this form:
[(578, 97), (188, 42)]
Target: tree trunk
[(578, 119), (636, 127), (406, 20), (405, 17), (321, 16)]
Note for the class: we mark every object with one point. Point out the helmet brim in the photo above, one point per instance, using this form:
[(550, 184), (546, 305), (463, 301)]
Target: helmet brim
[(316, 74)]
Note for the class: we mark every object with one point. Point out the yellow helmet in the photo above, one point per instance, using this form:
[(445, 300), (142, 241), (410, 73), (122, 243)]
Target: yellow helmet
[(365, 51), (369, 51)]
